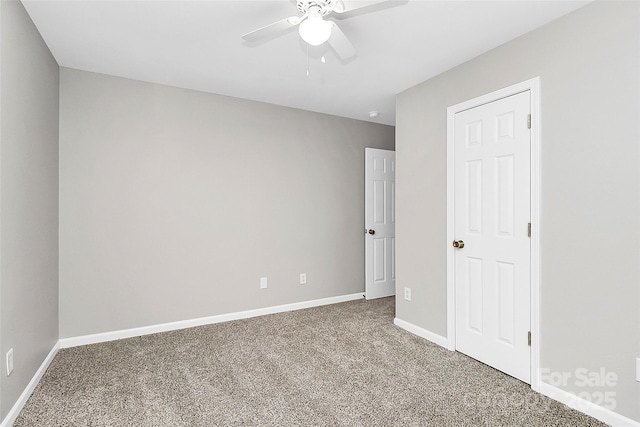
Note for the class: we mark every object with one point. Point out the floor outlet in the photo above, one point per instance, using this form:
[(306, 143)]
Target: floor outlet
[(407, 294), (263, 283), (9, 362), (303, 278)]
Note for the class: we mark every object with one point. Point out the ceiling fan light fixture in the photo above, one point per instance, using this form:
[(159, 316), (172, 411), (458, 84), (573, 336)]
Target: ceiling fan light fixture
[(315, 30)]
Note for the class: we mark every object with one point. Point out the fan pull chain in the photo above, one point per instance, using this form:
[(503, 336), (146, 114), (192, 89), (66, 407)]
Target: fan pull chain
[(323, 60)]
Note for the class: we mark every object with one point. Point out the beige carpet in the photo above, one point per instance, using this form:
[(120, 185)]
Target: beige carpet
[(340, 365)]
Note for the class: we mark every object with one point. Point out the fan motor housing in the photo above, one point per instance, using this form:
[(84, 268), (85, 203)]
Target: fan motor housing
[(325, 6)]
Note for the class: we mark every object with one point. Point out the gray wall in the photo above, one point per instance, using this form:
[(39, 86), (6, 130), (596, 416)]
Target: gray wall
[(589, 65), (174, 203), (29, 200)]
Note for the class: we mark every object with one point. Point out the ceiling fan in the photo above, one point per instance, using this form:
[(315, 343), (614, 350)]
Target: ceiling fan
[(313, 28)]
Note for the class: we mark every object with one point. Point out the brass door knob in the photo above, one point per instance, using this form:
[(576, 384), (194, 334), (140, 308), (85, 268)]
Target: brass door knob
[(458, 244)]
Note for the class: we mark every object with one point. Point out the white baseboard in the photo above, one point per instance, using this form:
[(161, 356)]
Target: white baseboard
[(586, 407), (422, 333), (22, 400), (183, 324)]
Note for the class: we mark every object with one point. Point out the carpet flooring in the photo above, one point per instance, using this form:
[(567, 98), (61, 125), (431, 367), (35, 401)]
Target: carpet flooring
[(339, 365)]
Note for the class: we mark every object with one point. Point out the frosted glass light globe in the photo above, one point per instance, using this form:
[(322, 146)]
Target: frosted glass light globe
[(314, 30)]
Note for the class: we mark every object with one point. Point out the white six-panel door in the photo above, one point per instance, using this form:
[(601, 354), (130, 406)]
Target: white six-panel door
[(380, 186), (491, 217)]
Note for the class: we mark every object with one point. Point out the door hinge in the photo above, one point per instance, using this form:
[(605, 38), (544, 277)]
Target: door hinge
[(529, 121), (529, 338), (529, 229)]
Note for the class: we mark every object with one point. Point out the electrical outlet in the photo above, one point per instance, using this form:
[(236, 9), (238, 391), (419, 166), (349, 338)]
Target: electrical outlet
[(303, 278), (263, 283), (637, 368), (9, 361), (407, 294)]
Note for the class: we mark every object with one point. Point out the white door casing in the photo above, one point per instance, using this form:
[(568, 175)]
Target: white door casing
[(380, 274), (492, 213)]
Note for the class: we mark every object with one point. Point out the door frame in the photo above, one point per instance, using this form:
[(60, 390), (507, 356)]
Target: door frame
[(533, 86)]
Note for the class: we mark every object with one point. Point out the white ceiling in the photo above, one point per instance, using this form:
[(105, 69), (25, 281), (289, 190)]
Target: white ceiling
[(197, 45)]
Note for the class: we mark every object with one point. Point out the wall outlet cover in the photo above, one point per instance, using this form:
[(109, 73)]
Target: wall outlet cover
[(637, 368), (303, 278), (263, 283), (9, 362), (407, 294)]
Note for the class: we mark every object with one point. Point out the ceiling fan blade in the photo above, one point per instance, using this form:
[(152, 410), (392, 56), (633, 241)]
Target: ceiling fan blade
[(272, 29), (343, 6), (341, 44)]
